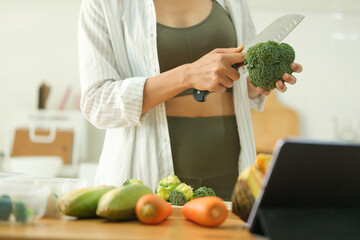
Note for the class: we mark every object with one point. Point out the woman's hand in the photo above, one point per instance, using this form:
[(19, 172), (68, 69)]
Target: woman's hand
[(290, 79), (213, 72)]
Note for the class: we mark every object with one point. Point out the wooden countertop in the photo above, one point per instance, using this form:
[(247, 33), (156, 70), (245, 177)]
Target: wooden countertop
[(176, 227)]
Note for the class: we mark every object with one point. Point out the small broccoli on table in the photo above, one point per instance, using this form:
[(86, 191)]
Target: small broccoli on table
[(203, 191), (166, 185), (181, 195), (267, 62)]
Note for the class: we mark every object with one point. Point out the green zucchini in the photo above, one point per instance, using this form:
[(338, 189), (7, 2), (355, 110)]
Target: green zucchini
[(82, 203), (119, 204)]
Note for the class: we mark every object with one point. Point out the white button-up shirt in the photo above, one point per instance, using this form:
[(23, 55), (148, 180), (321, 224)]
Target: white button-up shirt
[(118, 53)]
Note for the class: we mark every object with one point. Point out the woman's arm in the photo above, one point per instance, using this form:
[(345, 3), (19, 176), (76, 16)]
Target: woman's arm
[(111, 100), (110, 97), (212, 72)]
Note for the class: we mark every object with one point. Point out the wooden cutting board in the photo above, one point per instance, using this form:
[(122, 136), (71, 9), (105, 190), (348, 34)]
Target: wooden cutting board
[(277, 121), (62, 145)]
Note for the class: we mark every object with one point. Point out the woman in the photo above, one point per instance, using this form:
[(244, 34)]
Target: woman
[(140, 61)]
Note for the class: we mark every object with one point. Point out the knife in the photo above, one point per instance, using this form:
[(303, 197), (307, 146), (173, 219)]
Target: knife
[(276, 31)]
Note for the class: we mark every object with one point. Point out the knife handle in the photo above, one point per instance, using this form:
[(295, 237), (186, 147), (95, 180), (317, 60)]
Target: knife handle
[(200, 95)]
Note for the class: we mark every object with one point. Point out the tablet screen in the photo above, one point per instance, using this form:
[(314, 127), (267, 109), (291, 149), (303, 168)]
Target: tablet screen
[(308, 174)]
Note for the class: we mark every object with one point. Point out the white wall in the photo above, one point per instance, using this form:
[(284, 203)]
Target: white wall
[(327, 44), (38, 41)]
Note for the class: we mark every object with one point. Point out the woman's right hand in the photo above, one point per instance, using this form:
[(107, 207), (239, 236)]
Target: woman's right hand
[(214, 71)]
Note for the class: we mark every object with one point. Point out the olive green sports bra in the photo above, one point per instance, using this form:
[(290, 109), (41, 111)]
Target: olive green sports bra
[(177, 46)]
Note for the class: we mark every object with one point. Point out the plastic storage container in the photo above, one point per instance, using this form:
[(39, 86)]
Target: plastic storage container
[(5, 176), (22, 203), (58, 186)]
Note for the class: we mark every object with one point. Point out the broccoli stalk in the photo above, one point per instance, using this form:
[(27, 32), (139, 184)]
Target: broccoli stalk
[(166, 185), (132, 181), (267, 62), (203, 191), (181, 194)]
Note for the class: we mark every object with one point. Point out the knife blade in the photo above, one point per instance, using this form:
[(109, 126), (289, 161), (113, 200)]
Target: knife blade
[(276, 31)]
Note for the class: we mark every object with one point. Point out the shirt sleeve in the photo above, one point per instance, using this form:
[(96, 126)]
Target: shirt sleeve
[(257, 103), (108, 98), (249, 33)]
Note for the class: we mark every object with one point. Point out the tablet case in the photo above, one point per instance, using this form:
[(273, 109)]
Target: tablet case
[(311, 191)]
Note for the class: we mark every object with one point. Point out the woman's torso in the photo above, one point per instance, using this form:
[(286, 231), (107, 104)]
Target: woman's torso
[(190, 39), (198, 130)]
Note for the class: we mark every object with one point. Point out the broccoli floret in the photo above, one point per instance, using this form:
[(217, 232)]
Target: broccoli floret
[(132, 181), (181, 194), (203, 191), (267, 62), (166, 185)]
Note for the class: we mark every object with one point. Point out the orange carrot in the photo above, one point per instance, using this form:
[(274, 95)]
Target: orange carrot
[(152, 209), (209, 211)]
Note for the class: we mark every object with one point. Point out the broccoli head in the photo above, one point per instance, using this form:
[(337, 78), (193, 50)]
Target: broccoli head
[(132, 181), (181, 194), (166, 185), (203, 191), (267, 62)]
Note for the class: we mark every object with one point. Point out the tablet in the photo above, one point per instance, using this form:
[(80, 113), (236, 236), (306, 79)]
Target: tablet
[(311, 190)]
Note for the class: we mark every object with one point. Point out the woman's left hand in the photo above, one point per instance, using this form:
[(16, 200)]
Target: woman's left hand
[(290, 79)]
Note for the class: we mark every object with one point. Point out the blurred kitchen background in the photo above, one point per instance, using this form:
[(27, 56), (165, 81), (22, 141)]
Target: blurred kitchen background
[(38, 46)]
